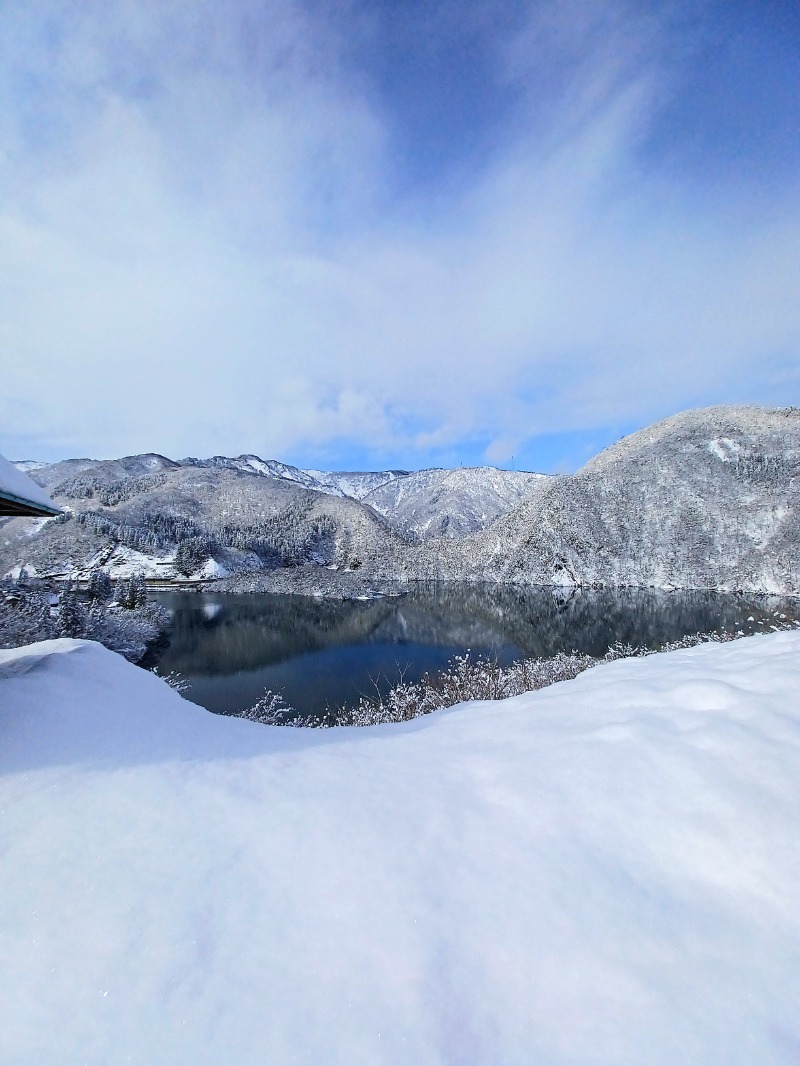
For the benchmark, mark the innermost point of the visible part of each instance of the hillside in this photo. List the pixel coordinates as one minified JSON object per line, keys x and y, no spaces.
{"x":225,"y":519}
{"x":450,"y":503}
{"x":354,"y":484}
{"x":239,"y":515}
{"x":705,"y":499}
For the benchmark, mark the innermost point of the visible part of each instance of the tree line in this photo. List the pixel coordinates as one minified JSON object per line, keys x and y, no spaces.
{"x":288,"y":538}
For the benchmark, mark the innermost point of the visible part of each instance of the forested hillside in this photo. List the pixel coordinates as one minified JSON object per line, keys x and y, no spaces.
{"x":705,"y":499}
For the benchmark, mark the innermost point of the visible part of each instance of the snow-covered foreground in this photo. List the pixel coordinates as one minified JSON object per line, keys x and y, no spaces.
{"x":607,"y":871}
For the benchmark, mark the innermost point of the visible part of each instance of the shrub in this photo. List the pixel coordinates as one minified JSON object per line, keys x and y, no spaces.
{"x":174,"y":679}
{"x":271,"y":709}
{"x":466,"y":678}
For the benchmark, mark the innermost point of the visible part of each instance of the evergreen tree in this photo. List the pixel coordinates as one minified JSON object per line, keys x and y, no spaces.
{"x":99,"y":586}
{"x":104,"y":587}
{"x":137,"y":591}
{"x":190,"y":555}
{"x":71,"y":616}
{"x":131,"y":592}
{"x":122,"y":593}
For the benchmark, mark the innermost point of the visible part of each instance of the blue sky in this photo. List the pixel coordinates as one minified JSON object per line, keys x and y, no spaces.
{"x":368,"y":234}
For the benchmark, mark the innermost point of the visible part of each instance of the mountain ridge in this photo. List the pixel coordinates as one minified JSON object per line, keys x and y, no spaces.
{"x":226,"y":515}
{"x":708,"y":498}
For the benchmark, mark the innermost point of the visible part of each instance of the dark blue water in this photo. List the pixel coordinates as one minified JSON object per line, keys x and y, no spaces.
{"x":322,"y":654}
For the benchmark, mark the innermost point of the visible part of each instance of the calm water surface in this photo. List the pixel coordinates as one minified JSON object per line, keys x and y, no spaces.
{"x":324,"y":653}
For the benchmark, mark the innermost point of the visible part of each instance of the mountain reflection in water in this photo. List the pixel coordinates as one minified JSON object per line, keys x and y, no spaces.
{"x":323,"y":653}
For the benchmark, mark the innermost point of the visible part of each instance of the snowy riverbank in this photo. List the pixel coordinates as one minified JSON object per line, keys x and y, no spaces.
{"x":604,"y":871}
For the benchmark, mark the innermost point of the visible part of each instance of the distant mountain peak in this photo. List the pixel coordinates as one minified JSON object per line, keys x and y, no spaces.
{"x":26,"y":465}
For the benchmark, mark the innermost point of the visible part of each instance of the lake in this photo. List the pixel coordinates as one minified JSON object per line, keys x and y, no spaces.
{"x":326,"y":653}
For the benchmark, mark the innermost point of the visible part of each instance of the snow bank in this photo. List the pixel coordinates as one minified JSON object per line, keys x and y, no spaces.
{"x":211,"y":569}
{"x":605,"y":871}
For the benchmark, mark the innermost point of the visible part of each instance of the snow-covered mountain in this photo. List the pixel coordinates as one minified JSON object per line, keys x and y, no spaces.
{"x":501,"y":488}
{"x":226,"y":519}
{"x":705,"y":499}
{"x":253,"y":464}
{"x":450,"y":503}
{"x":243,"y":513}
{"x":355,"y":483}
{"x":52,"y":475}
{"x":332,"y":483}
{"x":26,"y":465}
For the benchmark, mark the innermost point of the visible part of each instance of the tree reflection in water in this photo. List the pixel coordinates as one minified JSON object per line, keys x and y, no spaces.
{"x":322,"y":653}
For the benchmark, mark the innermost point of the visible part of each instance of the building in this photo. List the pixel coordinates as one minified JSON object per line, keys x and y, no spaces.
{"x":22,"y":497}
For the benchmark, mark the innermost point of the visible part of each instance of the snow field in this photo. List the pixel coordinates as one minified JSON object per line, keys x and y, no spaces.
{"x":605,"y":871}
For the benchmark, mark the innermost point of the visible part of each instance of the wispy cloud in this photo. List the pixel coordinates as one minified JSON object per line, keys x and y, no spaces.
{"x":206,"y":248}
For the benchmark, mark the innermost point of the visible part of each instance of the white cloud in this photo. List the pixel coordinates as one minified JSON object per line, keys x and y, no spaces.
{"x":200,"y":254}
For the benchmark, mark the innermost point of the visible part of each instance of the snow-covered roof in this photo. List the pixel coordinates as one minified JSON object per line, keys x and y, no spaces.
{"x":19,"y":495}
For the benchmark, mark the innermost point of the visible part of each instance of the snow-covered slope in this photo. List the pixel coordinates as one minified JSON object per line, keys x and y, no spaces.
{"x":501,"y":488}
{"x":52,"y":475}
{"x":149,"y":503}
{"x":26,"y":465}
{"x":355,"y":483}
{"x":705,"y":499}
{"x":253,"y":464}
{"x":241,"y":519}
{"x":605,"y":871}
{"x":450,"y":503}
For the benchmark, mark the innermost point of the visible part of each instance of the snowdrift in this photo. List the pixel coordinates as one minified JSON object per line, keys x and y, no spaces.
{"x":605,"y":871}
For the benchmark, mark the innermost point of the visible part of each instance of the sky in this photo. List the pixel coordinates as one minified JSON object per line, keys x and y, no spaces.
{"x":358,"y":234}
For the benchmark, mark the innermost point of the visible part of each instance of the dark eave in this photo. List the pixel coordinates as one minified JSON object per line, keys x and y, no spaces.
{"x":12,"y":506}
